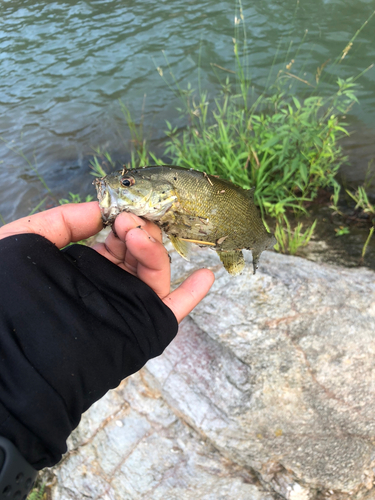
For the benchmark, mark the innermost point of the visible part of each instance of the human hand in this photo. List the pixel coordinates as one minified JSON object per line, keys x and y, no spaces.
{"x":138,"y":249}
{"x":78,"y":307}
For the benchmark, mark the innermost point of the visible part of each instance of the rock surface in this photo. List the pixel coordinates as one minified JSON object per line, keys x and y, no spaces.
{"x":267,"y":392}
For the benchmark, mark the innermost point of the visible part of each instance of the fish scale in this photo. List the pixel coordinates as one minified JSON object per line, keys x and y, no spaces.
{"x":191,"y":207}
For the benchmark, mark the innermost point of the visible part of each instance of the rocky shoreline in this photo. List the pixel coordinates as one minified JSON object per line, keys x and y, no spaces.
{"x":266,"y":393}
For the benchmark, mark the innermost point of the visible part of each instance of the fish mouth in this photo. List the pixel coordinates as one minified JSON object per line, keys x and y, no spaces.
{"x":107,"y":201}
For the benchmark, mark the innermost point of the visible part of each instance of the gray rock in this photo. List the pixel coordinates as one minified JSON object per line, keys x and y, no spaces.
{"x":267,"y":392}
{"x":131,"y":445}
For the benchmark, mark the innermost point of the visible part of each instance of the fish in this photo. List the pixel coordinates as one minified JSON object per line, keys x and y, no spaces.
{"x":191,"y":207}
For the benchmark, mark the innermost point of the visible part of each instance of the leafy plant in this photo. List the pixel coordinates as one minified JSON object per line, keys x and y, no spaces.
{"x":98,"y":169}
{"x":362,"y":201}
{"x":285,"y":147}
{"x":37,"y":493}
{"x":340,"y":231}
{"x":139,"y":150}
{"x":335,"y":199}
{"x":75,"y":198}
{"x":140,"y":155}
{"x":289,"y":240}
{"x":364,"y":249}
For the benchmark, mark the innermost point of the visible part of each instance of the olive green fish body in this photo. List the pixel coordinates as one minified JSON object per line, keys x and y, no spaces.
{"x":191,"y":207}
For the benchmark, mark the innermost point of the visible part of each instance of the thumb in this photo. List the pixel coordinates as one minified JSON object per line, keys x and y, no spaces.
{"x":183,"y":300}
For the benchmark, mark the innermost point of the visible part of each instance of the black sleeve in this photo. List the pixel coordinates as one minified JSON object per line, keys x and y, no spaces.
{"x":72,"y":326}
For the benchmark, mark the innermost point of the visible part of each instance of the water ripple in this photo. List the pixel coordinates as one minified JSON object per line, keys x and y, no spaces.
{"x":64,"y":66}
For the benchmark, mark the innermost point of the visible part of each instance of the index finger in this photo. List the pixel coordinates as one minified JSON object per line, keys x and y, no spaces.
{"x":60,"y":225}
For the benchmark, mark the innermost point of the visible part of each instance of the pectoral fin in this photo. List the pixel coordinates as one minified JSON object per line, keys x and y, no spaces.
{"x":234,"y":262}
{"x":181,"y":246}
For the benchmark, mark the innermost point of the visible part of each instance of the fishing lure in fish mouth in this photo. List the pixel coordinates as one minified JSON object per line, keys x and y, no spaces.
{"x":191,"y":207}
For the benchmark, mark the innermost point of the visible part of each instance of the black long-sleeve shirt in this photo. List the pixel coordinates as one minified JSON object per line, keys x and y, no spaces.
{"x":72,"y":326}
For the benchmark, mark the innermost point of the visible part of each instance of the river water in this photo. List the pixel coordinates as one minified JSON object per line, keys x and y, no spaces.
{"x":64,"y":65}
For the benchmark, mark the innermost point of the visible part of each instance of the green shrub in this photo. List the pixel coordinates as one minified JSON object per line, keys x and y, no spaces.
{"x":285,"y":147}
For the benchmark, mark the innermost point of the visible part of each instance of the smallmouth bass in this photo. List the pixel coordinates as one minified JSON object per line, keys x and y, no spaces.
{"x":191,"y":207}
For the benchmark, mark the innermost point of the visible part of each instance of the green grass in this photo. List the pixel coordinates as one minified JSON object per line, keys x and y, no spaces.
{"x":363,"y":205}
{"x":361,"y":199}
{"x":37,"y":493}
{"x":75,"y":198}
{"x":290,"y":241}
{"x":364,"y":249}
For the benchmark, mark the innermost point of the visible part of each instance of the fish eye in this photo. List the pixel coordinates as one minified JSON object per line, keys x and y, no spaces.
{"x":127,"y":181}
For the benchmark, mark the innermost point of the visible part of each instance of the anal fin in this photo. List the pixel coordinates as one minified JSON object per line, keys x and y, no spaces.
{"x":233,"y":262}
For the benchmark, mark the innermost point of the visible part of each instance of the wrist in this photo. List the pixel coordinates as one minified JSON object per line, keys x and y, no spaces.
{"x":17,"y":477}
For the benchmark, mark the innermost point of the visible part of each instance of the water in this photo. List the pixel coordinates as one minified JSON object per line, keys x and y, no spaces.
{"x":65,"y":65}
